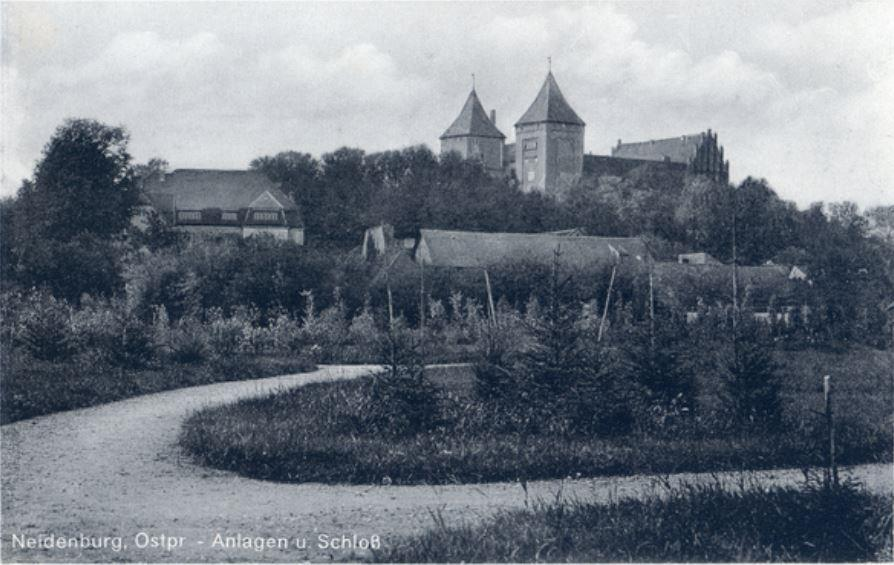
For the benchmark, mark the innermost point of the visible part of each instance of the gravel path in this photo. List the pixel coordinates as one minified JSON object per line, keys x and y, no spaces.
{"x":115,"y":470}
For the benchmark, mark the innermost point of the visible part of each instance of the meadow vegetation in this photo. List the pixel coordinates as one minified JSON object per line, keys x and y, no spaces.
{"x":684,"y":524}
{"x":547,"y":398}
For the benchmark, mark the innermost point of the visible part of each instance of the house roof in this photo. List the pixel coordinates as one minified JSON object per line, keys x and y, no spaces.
{"x":466,"y":249}
{"x":472,"y":121}
{"x":199,"y":189}
{"x":686,"y":284}
{"x":550,"y":106}
{"x":674,"y":149}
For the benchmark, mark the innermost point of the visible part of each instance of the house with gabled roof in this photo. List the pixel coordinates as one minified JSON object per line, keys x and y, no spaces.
{"x":223,"y":202}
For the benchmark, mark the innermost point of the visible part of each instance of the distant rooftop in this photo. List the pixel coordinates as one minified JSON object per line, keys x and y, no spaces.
{"x":550,"y":106}
{"x":199,"y":189}
{"x":469,"y":249}
{"x":680,"y":149}
{"x":473,"y":121}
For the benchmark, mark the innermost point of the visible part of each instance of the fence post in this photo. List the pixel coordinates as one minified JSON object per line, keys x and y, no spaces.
{"x":832,"y":472}
{"x":608,"y":296}
{"x":490,"y":299}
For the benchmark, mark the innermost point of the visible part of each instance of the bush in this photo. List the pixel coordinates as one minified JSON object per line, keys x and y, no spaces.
{"x":43,"y":326}
{"x":751,"y":383}
{"x":660,"y":365}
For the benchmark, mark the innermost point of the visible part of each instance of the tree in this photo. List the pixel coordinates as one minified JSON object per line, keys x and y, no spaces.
{"x":298,"y":174}
{"x":83,"y":184}
{"x":752,"y":386}
{"x":153,"y":167}
{"x":881,"y":223}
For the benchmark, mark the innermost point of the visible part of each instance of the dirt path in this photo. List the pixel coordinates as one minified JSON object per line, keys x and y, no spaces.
{"x":115,"y":470}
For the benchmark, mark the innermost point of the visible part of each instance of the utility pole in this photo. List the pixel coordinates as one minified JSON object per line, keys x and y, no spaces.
{"x":735,"y":277}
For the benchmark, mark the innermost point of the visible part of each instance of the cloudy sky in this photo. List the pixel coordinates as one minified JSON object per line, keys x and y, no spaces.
{"x":801,"y":93}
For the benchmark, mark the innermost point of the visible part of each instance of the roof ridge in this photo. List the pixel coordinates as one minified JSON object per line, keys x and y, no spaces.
{"x":677,"y":138}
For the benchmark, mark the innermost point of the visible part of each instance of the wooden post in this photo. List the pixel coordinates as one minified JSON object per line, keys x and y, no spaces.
{"x":735,"y":279}
{"x":832,"y":472}
{"x":651,"y":308}
{"x":422,"y":310}
{"x":608,"y":295}
{"x":490,"y":299}
{"x":390,"y":306}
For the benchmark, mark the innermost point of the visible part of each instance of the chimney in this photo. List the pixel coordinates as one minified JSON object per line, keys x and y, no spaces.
{"x":619,"y":142}
{"x":493,"y":117}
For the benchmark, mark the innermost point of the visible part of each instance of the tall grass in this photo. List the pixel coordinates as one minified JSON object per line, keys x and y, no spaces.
{"x":689,"y":523}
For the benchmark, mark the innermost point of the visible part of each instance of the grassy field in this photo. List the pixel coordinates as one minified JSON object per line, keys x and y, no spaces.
{"x":690,"y":524}
{"x":34,"y":388}
{"x":317,"y":433}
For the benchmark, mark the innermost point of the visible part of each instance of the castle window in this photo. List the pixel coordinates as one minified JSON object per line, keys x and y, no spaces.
{"x":530,"y":145}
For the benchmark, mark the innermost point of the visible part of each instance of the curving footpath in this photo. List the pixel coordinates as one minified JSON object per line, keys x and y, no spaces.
{"x":115,"y":470}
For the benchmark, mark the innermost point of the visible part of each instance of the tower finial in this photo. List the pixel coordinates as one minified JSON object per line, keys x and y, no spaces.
{"x":473,"y":81}
{"x":549,"y":63}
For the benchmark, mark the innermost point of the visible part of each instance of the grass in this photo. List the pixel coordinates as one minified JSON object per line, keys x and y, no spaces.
{"x":317,"y":433}
{"x":33,"y":388}
{"x":690,"y":523}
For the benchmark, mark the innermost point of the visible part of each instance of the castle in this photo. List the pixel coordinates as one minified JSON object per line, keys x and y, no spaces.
{"x":548,"y":153}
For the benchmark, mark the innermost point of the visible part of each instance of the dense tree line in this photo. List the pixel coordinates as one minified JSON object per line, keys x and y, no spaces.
{"x":68,"y":228}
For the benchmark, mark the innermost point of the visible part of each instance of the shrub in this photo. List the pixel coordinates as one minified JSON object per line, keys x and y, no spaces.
{"x":225,"y":335}
{"x":43,"y":327}
{"x":189,"y":343}
{"x":659,"y":363}
{"x":751,"y":383}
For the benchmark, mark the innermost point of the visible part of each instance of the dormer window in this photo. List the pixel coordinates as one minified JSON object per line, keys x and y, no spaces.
{"x":265,"y":216}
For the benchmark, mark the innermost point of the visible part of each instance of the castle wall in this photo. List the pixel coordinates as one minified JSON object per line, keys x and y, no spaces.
{"x":603,"y":165}
{"x":489,"y":150}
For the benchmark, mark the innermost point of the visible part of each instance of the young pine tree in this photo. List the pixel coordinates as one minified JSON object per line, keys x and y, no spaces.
{"x":751,"y":385}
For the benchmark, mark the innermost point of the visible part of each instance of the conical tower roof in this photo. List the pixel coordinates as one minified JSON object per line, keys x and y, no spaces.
{"x":473,"y":121}
{"x":550,"y":106}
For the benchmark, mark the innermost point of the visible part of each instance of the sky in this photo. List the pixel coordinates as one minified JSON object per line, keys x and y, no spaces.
{"x":800,"y":93}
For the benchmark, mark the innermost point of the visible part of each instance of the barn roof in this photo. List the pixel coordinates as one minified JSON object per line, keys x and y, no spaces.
{"x":472,"y":121}
{"x":550,"y":106}
{"x":685,"y":285}
{"x":467,"y":249}
{"x":674,"y":149}
{"x":199,"y":189}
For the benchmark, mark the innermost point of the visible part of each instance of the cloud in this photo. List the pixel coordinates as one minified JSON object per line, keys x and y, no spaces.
{"x":849,"y":49}
{"x":803,"y":101}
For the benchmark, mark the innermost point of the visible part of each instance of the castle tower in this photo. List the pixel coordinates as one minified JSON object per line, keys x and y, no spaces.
{"x":475,"y":136}
{"x":549,"y":143}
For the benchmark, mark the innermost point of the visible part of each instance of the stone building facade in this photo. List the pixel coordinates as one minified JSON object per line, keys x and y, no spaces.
{"x":548,"y":154}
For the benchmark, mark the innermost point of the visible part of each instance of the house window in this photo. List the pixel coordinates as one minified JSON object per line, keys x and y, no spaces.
{"x":229,"y":216}
{"x":530,"y":144}
{"x":189,"y":215}
{"x":265,"y":216}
